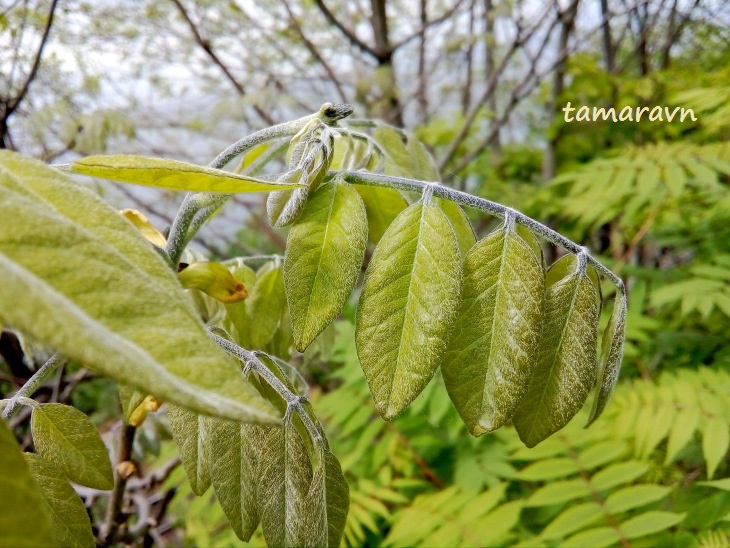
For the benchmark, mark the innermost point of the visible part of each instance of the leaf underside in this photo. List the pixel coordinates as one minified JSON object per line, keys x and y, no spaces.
{"x":300,"y":506}
{"x":408,"y":305}
{"x":612,"y":350}
{"x":489,"y":361}
{"x":565,"y":366}
{"x":233,"y":460}
{"x":190,"y":431}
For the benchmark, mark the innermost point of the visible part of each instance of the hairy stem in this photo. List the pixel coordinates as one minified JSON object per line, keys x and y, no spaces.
{"x":293,"y":401}
{"x":45,"y":371}
{"x":493,"y":208}
{"x":181,"y":231}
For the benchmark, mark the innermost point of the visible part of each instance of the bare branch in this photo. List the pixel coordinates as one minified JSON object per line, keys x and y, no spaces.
{"x":491,"y":88}
{"x":206,"y":46}
{"x":315,"y":52}
{"x":349,"y":34}
{"x":426,"y":24}
{"x":13,"y":103}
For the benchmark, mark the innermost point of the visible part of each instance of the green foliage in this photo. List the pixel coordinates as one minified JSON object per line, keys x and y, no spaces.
{"x":65,"y":437}
{"x":638,"y":181}
{"x":20,"y":526}
{"x":620,"y":478}
{"x":324,"y":255}
{"x":408,"y":305}
{"x":704,"y":290}
{"x":566,"y":361}
{"x":173,"y":174}
{"x":236,"y":451}
{"x":87,"y":292}
{"x":70,"y":522}
{"x":430,"y":292}
{"x":488,"y":363}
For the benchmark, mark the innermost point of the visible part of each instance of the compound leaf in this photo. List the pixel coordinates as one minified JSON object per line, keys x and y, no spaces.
{"x":324,"y":253}
{"x":173,"y":174}
{"x":69,"y":520}
{"x":25,"y":520}
{"x":67,"y":438}
{"x":81,"y":279}
{"x":408,"y":305}
{"x":488,"y":362}
{"x":565,"y":367}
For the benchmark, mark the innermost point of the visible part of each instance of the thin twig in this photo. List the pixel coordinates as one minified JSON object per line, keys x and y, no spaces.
{"x":350,"y":35}
{"x":114,"y":516}
{"x":208,"y":49}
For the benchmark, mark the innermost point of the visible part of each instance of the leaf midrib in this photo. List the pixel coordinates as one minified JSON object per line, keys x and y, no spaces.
{"x":330,"y":208}
{"x":497,"y":297}
{"x":421,"y":223}
{"x":577,"y":275}
{"x":67,"y":442}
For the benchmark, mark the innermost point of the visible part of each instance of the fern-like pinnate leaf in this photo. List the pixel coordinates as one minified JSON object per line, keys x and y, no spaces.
{"x":324,"y":253}
{"x":566,"y":363}
{"x":408,"y":305}
{"x":490,"y":357}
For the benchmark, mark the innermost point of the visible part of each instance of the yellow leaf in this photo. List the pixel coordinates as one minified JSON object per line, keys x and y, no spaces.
{"x":142,"y":223}
{"x":215,"y":280}
{"x":164,"y":173}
